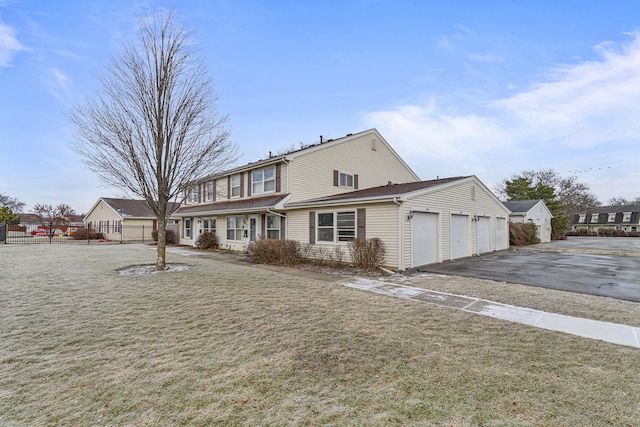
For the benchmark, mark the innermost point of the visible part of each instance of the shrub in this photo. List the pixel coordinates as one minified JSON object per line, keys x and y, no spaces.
{"x":273,"y":251}
{"x":84,"y":234}
{"x":170,"y":237}
{"x":207,"y":240}
{"x":367,"y":254}
{"x":522,"y":234}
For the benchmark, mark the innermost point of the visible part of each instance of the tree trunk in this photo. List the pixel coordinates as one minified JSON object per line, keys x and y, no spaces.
{"x":161,"y":263}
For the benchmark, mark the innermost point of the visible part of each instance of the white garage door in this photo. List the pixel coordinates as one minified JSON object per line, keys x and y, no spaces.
{"x":484,"y":234}
{"x":501,"y":241}
{"x":424,"y":238}
{"x":458,"y":236}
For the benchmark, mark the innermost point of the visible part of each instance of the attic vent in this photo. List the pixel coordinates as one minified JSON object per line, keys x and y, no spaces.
{"x":473,"y":192}
{"x":349,"y":134}
{"x":373,"y":144}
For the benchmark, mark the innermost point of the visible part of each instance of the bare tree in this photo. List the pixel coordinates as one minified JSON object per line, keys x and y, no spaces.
{"x":153,"y":127}
{"x":52,"y":217}
{"x":12,"y":203}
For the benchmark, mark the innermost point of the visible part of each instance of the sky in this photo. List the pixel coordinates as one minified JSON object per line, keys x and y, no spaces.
{"x":489,"y":88}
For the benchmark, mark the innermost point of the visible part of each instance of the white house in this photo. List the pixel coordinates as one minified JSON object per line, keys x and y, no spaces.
{"x":534,"y":211}
{"x":329,"y":193}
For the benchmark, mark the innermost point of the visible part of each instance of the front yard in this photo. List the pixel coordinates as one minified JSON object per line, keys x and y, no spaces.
{"x":228,"y":344}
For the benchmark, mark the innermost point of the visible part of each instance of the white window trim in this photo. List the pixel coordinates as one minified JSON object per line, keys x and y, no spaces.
{"x":611,"y":217}
{"x":346,"y":179}
{"x":188,"y":228}
{"x":336,"y":237}
{"x":232,"y":186}
{"x":262,"y":181}
{"x":209,"y":191}
{"x":210,"y":220}
{"x":239,"y":220}
{"x":267,"y":229}
{"x":582,"y":218}
{"x":595,"y":217}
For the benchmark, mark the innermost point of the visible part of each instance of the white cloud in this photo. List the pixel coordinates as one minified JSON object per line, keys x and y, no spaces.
{"x":9,"y":45}
{"x":589,"y":108}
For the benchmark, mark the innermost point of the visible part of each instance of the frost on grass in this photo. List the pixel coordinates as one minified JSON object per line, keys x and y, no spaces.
{"x":151,"y":269}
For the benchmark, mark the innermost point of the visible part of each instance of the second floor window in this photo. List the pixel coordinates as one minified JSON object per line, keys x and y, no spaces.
{"x":582,"y":217}
{"x":192,"y":196}
{"x":346,"y":180}
{"x":235,"y":185}
{"x":209,"y":188}
{"x":594,"y":217}
{"x":627,"y":217}
{"x":612,"y":217}
{"x":263,"y":180}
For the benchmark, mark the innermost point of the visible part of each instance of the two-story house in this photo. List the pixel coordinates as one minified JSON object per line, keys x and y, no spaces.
{"x":608,"y":219}
{"x":329,"y":193}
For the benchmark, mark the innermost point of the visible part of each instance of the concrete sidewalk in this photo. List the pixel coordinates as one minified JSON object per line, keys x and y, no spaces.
{"x":587,"y":328}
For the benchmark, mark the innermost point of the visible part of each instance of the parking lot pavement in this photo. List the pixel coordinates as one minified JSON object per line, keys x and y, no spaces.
{"x":563,"y":267}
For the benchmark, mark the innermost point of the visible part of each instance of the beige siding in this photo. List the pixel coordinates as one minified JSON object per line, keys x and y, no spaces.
{"x":132,"y":228}
{"x":312,"y":172}
{"x":381,"y":222}
{"x":466,"y":198}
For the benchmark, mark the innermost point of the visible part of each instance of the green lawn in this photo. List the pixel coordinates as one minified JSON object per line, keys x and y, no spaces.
{"x":227,"y":344}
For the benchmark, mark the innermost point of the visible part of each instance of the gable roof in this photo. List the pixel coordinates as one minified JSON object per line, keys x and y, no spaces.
{"x":385,"y":192}
{"x":234,"y":205}
{"x":521,"y":206}
{"x":131,"y":208}
{"x":308,"y":149}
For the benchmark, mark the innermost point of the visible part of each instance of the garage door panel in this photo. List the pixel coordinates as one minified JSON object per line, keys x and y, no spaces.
{"x":484,"y":234}
{"x":424,"y":238}
{"x":459,"y":238}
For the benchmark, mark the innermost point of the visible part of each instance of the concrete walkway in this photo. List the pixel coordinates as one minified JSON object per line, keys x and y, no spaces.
{"x":587,"y":328}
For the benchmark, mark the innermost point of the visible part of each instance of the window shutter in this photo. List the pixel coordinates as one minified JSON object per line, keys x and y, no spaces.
{"x":282,"y":228}
{"x":249,"y":186}
{"x":229,"y":187}
{"x":215,"y":190}
{"x":263,"y":227}
{"x":362,"y":224}
{"x":242,"y":185}
{"x":278,"y":178}
{"x":355,"y":181}
{"x":335,"y":178}
{"x":312,"y":227}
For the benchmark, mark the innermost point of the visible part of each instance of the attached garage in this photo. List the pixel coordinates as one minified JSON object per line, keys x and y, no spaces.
{"x":424,"y":238}
{"x":420,"y":223}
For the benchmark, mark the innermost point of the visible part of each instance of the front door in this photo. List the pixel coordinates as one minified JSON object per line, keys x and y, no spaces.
{"x":253,"y":228}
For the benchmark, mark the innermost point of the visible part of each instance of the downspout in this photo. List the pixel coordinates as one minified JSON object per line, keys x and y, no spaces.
{"x":400,"y":236}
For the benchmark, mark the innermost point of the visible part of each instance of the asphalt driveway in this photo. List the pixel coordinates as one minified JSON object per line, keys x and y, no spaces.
{"x":599,"y":266}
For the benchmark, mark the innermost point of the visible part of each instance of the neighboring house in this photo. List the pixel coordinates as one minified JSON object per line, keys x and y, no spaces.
{"x":123,"y":219}
{"x":534,"y":211}
{"x":327,"y":194}
{"x":609,"y":218}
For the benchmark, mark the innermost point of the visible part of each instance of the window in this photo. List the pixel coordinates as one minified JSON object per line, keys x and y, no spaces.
{"x":612,"y":217}
{"x":626,"y":217}
{"x":345,"y":180}
{"x":209,"y":188}
{"x":273,"y":227}
{"x":235,"y":185}
{"x":263,"y":180}
{"x":192,"y":195}
{"x":235,"y":230}
{"x":594,"y":217}
{"x":187,"y":228}
{"x":117,"y":226}
{"x":582,"y":218}
{"x":336,"y":226}
{"x":209,"y":224}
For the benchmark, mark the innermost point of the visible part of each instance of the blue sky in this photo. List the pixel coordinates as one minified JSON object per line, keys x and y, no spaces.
{"x":488,"y":88}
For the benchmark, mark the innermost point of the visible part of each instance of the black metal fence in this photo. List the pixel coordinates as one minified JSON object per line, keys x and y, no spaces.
{"x":37,"y":233}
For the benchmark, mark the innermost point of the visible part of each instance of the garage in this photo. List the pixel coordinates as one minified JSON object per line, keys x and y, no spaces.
{"x":483,"y":231}
{"x":459,"y":242}
{"x":424,"y":238}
